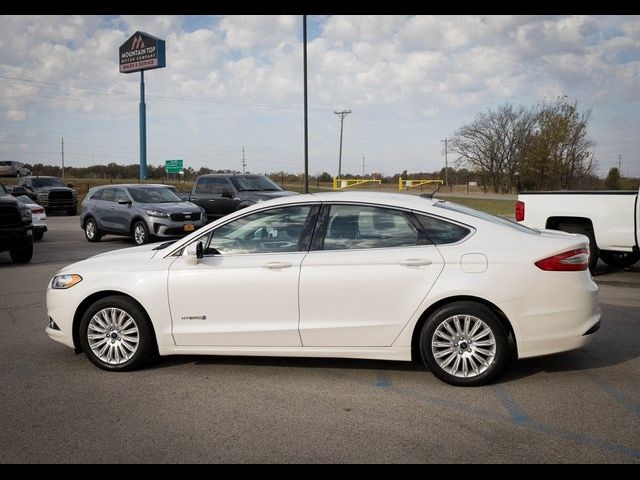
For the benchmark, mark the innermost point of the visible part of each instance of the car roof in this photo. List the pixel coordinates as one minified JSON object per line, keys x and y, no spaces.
{"x":129,"y":185}
{"x":403,"y":200}
{"x":212,"y":175}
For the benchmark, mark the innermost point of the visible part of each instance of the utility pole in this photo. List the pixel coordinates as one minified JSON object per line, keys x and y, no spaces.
{"x":446,"y":161}
{"x":62,"y":153}
{"x":306,"y":119}
{"x":342,"y":113}
{"x":244,"y":164}
{"x":363,"y":165}
{"x":620,"y":164}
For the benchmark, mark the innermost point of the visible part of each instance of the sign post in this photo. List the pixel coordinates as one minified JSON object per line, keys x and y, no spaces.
{"x":139,"y":53}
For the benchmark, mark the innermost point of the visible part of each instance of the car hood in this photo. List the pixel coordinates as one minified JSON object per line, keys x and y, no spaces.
{"x":266,"y":195}
{"x":178,"y":207}
{"x":114,"y":259}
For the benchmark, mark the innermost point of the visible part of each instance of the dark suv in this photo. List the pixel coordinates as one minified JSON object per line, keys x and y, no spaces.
{"x":51,"y":193}
{"x":221,"y":194}
{"x":16,"y":230}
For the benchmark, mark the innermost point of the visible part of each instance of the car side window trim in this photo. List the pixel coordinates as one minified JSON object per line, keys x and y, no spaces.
{"x":472,"y":230}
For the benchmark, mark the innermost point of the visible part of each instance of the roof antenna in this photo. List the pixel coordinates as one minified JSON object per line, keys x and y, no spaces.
{"x":430,"y":195}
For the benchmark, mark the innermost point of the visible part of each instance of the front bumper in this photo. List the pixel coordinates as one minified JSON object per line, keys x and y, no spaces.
{"x":57,"y":204}
{"x":167,"y":228}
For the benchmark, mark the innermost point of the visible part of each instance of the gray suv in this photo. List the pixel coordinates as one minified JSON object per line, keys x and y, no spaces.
{"x":143,"y":212}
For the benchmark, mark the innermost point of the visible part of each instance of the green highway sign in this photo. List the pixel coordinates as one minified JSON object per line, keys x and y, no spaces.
{"x":173,"y":166}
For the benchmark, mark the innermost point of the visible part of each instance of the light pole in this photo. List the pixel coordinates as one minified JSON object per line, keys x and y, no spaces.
{"x":306,"y":121}
{"x":342,"y":113}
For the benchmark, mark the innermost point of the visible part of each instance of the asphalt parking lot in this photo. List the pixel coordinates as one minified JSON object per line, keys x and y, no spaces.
{"x":581,"y":406}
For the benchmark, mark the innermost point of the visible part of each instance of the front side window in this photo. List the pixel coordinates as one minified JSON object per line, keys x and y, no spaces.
{"x":212,"y":185}
{"x":273,"y":231}
{"x":355,"y":226}
{"x":108,"y":195}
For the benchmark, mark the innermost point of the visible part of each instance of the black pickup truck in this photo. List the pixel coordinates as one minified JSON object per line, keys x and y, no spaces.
{"x":16,"y":230}
{"x":221,"y":194}
{"x":51,"y":193}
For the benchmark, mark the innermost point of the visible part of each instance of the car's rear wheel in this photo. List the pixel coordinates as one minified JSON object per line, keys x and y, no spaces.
{"x":22,"y":255}
{"x":464,"y":344}
{"x":115,"y":334}
{"x":91,"y":231}
{"x":141,"y":233}
{"x":619,"y":259}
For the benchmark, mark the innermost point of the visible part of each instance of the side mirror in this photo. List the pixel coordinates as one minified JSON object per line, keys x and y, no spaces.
{"x":226,"y":193}
{"x":195,"y":252}
{"x":124,"y":202}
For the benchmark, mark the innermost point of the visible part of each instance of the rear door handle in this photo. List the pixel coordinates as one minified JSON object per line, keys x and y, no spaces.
{"x":415,"y":262}
{"x":277,"y":265}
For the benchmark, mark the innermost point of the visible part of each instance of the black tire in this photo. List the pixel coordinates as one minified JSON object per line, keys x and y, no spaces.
{"x":38,"y":235}
{"x":490,"y":319}
{"x":92,"y":233}
{"x":144,"y":236}
{"x":619,"y":260}
{"x":22,"y":255}
{"x":72,"y":211}
{"x":594,"y":252}
{"x":146,"y":340}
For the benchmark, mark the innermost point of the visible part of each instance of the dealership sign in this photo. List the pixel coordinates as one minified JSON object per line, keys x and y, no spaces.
{"x":142,"y":52}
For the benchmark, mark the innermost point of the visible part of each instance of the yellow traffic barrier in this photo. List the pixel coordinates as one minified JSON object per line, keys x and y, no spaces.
{"x":342,"y":183}
{"x":407,"y":184}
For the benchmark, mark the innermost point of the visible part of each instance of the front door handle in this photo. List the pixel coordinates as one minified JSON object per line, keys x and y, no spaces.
{"x":415,"y":262}
{"x":277,"y":265}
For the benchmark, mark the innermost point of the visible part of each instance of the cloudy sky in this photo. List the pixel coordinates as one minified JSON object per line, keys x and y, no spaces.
{"x":237,"y":81}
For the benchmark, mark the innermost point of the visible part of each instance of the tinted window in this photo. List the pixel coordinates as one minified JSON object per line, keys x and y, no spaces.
{"x":440,"y":231}
{"x":153,"y":195}
{"x":277,"y":230}
{"x":2,"y":190}
{"x":109,"y":195}
{"x":47,"y":182}
{"x":97,"y":195}
{"x":353,"y":226}
{"x":248,"y":184}
{"x":5,"y":164}
{"x":485,"y":216}
{"x":121,"y":196}
{"x":212,"y":185}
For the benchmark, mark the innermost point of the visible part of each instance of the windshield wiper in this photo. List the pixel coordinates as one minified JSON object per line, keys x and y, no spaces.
{"x":164,"y":245}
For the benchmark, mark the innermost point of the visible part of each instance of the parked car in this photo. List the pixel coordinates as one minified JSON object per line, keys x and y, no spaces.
{"x":221,"y":194}
{"x":144,"y":212}
{"x":38,"y":215}
{"x":16,"y":230}
{"x":341,"y":274}
{"x":51,"y":193}
{"x":611,"y":220}
{"x":13,"y":169}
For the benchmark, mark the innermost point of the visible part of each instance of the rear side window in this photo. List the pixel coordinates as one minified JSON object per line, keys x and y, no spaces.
{"x":96,"y":195}
{"x":486,"y":216}
{"x":212,"y":185}
{"x":442,"y":232}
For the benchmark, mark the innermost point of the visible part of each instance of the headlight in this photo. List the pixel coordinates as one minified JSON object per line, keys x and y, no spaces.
{"x":65,"y":281}
{"x":156,"y":213}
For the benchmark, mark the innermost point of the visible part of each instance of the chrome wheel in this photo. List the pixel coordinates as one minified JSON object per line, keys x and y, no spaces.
{"x":90,"y":230}
{"x":113,"y":336}
{"x":139,"y":234}
{"x":463,"y":346}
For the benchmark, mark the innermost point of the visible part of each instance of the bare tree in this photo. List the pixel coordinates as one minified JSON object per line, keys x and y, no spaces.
{"x":495,"y":143}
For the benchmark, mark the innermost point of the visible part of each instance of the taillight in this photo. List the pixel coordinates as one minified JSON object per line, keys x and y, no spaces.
{"x":571,"y":261}
{"x":37,"y":210}
{"x":519,"y":211}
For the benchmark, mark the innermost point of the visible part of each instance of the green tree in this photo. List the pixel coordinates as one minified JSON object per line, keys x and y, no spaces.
{"x":612,"y":181}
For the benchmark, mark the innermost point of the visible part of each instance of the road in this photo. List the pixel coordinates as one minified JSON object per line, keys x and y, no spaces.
{"x":582,"y":406}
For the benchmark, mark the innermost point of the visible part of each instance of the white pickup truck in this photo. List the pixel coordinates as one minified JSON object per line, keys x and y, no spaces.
{"x":611,"y":220}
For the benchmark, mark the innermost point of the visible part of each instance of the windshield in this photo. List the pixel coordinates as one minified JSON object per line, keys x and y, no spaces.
{"x":47,"y":182}
{"x":24,"y":199}
{"x":2,"y":190}
{"x":249,"y":184}
{"x":485,"y":216}
{"x":153,"y":195}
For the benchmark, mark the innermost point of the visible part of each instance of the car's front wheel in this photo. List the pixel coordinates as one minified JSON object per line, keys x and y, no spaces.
{"x":115,"y":334}
{"x":91,"y":231}
{"x":22,"y":255}
{"x":464,"y":344}
{"x":141,"y":233}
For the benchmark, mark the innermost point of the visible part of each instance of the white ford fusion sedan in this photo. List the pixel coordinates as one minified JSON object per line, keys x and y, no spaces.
{"x":346,"y":274}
